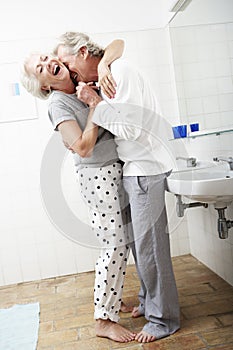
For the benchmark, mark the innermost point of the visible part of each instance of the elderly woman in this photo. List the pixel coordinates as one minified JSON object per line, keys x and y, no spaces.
{"x":99,"y":172}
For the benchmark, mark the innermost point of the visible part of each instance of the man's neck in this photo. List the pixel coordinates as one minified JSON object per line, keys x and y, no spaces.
{"x":93,"y":72}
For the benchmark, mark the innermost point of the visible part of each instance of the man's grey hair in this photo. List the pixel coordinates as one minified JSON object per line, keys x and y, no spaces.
{"x":73,"y":41}
{"x":30,"y":81}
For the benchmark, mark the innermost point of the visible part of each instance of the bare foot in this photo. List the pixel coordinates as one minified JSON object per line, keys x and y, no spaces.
{"x":113,"y":331}
{"x":126,"y":308}
{"x":144,"y":337}
{"x":136,"y":313}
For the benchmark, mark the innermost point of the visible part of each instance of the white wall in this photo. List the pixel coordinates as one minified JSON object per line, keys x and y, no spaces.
{"x":202,"y":44}
{"x":203,"y":67}
{"x":27,"y":19}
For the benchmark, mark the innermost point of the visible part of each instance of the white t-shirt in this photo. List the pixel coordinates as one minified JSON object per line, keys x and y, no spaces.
{"x":134,"y":117}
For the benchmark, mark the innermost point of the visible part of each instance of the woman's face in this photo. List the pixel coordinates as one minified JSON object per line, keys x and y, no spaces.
{"x":50,"y":72}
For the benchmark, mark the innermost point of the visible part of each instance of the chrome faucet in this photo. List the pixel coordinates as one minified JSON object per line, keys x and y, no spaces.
{"x":229,"y":160}
{"x":191,"y":161}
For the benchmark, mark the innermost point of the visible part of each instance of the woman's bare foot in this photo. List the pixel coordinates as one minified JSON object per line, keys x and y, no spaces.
{"x":136,"y":313}
{"x":113,"y":331}
{"x":144,"y":337}
{"x":126,"y":308}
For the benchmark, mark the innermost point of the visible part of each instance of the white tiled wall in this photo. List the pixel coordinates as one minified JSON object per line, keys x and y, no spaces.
{"x":203,"y":67}
{"x":205,"y":244}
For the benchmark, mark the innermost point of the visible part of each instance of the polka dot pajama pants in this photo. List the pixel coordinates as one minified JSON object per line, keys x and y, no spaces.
{"x":102,"y":191}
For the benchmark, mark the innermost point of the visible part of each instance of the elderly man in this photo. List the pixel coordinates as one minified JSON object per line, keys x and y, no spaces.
{"x":133,"y":116}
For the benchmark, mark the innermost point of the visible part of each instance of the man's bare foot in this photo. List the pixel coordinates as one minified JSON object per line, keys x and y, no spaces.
{"x":144,"y":337}
{"x":126,"y":308}
{"x":113,"y":331}
{"x":136,"y":313}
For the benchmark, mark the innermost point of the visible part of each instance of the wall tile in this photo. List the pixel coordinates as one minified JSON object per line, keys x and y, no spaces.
{"x":219,"y":32}
{"x":226,"y":102}
{"x":192,"y":71}
{"x":230,"y":45}
{"x":210,"y":104}
{"x":2,"y":281}
{"x":11,"y":267}
{"x":29,"y":262}
{"x":221,"y":50}
{"x":213,"y":120}
{"x":226,"y":144}
{"x":205,"y":52}
{"x":225,"y":85}
{"x":208,"y":86}
{"x":85,"y":258}
{"x":47,"y":260}
{"x":229,"y":30}
{"x":204,"y":33}
{"x":185,"y":37}
{"x":207,"y":69}
{"x":222,"y":67}
{"x":175,"y":249}
{"x":194,"y":106}
{"x":188,"y":53}
{"x":192,"y":88}
{"x":65,"y":253}
{"x":228,"y":276}
{"x":164,"y":73}
{"x":184,"y":246}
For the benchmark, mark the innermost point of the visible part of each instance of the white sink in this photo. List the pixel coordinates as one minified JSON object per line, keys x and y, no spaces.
{"x":208,"y":185}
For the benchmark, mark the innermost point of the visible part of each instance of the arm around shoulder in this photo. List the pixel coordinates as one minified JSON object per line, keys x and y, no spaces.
{"x":106,"y":81}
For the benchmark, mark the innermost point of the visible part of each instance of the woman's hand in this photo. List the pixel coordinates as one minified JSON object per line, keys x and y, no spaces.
{"x":106,"y":81}
{"x":112,"y":52}
{"x":87,"y":94}
{"x":68,"y":146}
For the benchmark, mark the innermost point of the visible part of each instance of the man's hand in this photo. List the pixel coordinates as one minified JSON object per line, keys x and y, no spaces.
{"x":87,"y":94}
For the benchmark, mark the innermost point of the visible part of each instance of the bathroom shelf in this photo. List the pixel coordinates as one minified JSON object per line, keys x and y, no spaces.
{"x":209,"y":132}
{"x":195,"y":134}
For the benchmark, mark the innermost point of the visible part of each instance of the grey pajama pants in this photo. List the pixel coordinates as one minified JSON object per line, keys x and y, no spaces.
{"x":102,"y":190}
{"x":151,"y":249}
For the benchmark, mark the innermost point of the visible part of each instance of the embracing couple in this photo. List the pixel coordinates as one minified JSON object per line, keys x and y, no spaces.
{"x":118,"y":137}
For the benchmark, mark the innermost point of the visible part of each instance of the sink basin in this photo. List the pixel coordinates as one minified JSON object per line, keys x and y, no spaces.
{"x":207,"y":185}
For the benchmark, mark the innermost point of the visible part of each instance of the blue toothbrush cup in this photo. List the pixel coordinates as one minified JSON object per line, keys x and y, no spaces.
{"x":179,"y":131}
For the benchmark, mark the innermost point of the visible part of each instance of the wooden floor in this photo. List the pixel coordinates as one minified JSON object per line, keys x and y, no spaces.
{"x":66,"y":317}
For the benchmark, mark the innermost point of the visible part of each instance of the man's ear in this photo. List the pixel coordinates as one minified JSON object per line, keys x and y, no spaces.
{"x":83,"y":51}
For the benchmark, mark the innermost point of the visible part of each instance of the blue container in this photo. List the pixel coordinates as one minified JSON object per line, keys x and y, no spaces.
{"x":179,"y":131}
{"x":194,"y":127}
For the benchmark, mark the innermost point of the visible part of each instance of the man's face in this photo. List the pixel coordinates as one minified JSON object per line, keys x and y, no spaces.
{"x":50,"y":72}
{"x":80,"y":64}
